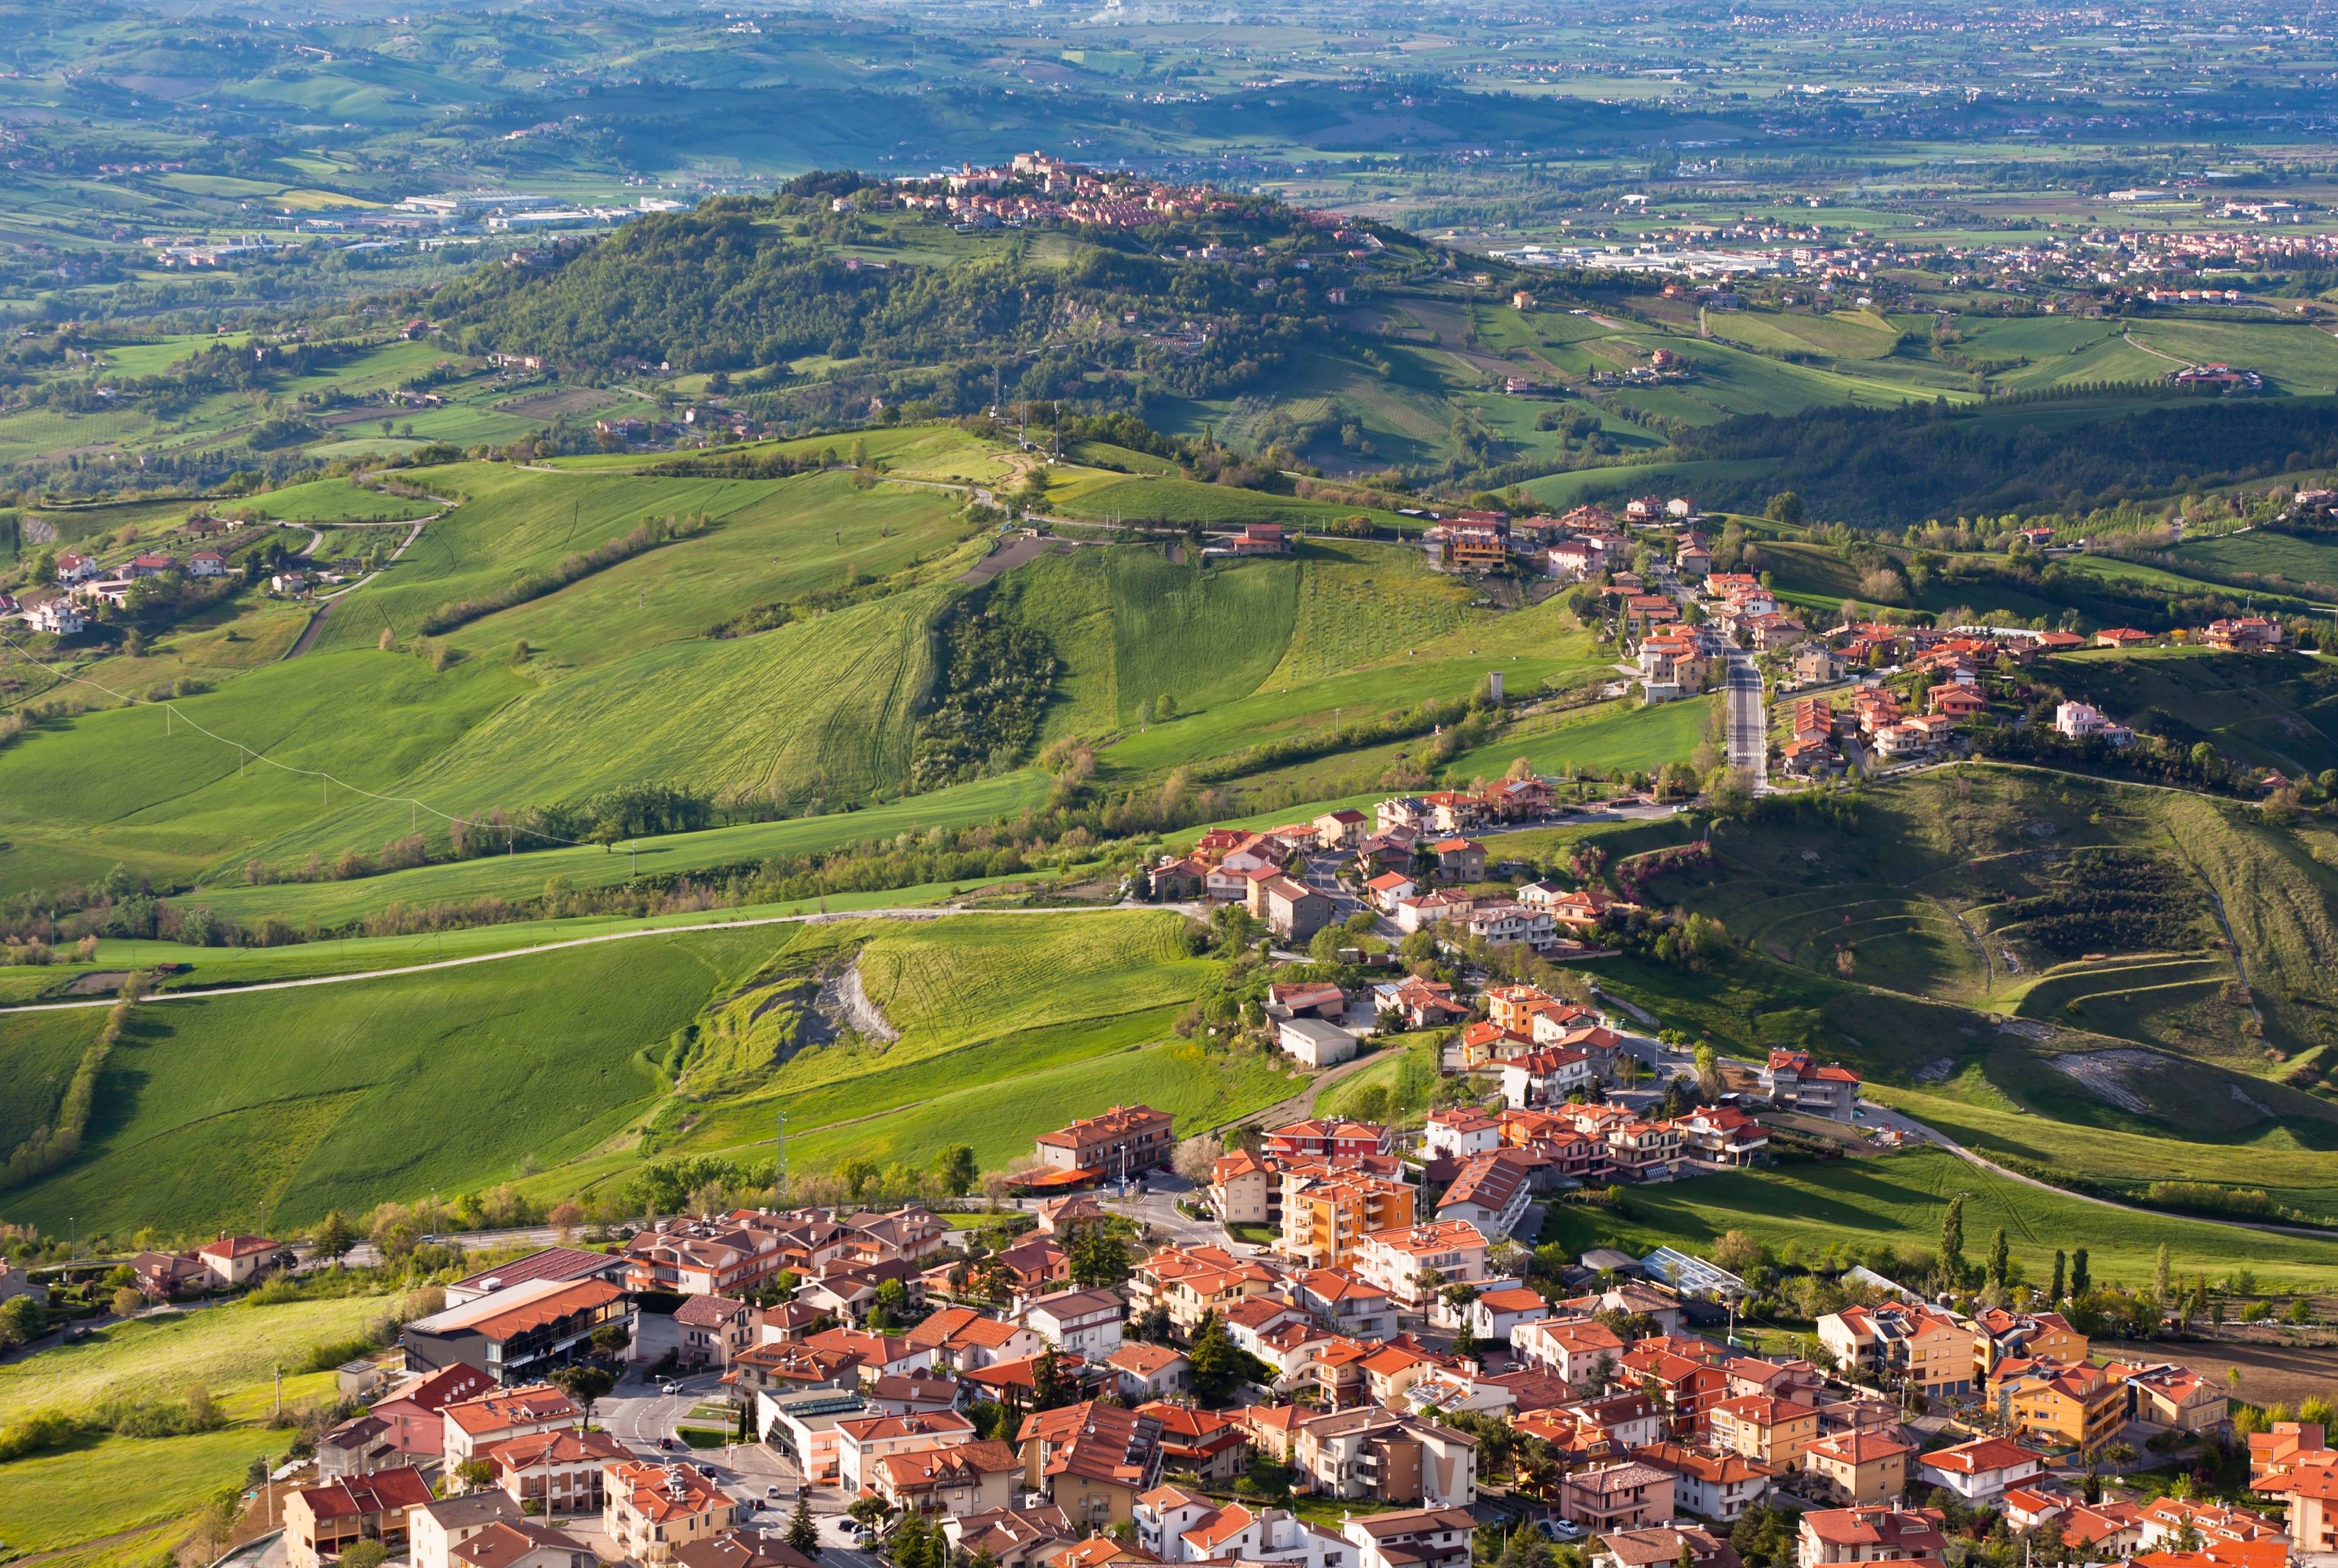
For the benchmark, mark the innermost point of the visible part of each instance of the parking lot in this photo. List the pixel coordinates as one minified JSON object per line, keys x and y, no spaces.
{"x":639,"y":1414}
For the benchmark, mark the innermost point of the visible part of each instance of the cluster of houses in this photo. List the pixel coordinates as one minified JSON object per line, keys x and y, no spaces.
{"x":82,"y":581}
{"x":1870,"y":723}
{"x":1027,"y":1416}
{"x":1411,"y":845}
{"x":1585,"y":542}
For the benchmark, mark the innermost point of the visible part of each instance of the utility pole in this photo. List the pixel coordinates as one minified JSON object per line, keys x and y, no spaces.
{"x":780,"y":1157}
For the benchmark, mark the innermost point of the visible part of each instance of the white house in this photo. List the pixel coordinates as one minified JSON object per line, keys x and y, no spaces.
{"x":1491,"y":1193}
{"x":1979,"y":1471}
{"x":1087,"y":1323}
{"x":57,"y":617}
{"x":1463,"y":1131}
{"x":1544,"y":1077}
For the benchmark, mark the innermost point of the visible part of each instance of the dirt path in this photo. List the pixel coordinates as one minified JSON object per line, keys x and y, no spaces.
{"x":308,"y":638}
{"x":935,"y":913}
{"x":1885,"y":1116}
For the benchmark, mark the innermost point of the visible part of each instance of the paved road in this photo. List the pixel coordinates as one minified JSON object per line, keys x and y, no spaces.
{"x":1749,"y":740}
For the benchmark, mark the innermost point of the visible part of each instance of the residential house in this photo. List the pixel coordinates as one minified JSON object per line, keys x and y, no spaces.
{"x":1910,"y":1340}
{"x":1334,"y":1140}
{"x":1795,"y":1082}
{"x":1190,"y":1283}
{"x":794,"y":1367}
{"x":1582,"y":1350}
{"x":320,"y":1523}
{"x":236,"y":1261}
{"x":2312,"y":1520}
{"x":1148,"y":1372}
{"x":1631,"y":1495}
{"x":1717,"y":1486}
{"x":358,"y":1447}
{"x":557,"y":1472}
{"x":1245,"y":1189}
{"x":1877,"y":1534}
{"x":2082,"y":721}
{"x":414,"y":1410}
{"x":1980,"y":1472}
{"x":1414,"y":1262}
{"x":1414,"y":1538}
{"x":2003,"y":1333}
{"x":1761,"y":1426}
{"x":963,"y":1339}
{"x":735,"y":1549}
{"x":1491,"y":1192}
{"x":1198,"y":1441}
{"x":714,"y":1329}
{"x":1014,"y":1537}
{"x":525,"y":1543}
{"x":650,"y":1510}
{"x":1663,"y":1546}
{"x":1344,"y":1302}
{"x":1092,"y":1461}
{"x":976,"y":1477}
{"x":1495,"y":1313}
{"x":1722,"y":1135}
{"x":1378,"y":1452}
{"x":1461,"y":1132}
{"x":862,"y":1440}
{"x":2228,"y":1535}
{"x":1459,"y":859}
{"x":1342,"y":830}
{"x":446,"y":1523}
{"x":1858,"y":1468}
{"x":880,"y":1355}
{"x":2176,"y":1397}
{"x":1545,"y":1077}
{"x":1085,"y":1322}
{"x":2249,"y":634}
{"x":470,"y":1427}
{"x":2083,"y":1406}
{"x":1421,"y":1004}
{"x":1123,"y":1140}
{"x":1291,"y":910}
{"x":1329,"y":1215}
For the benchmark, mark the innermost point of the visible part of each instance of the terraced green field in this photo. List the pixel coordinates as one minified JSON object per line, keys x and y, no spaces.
{"x":1843,"y":334}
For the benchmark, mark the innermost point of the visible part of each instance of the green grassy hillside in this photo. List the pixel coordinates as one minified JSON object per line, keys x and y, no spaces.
{"x":1898,"y":1202}
{"x":569,"y":1067}
{"x":132,"y":785}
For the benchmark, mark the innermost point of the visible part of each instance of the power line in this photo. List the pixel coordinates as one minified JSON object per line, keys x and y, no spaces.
{"x":246,"y":754}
